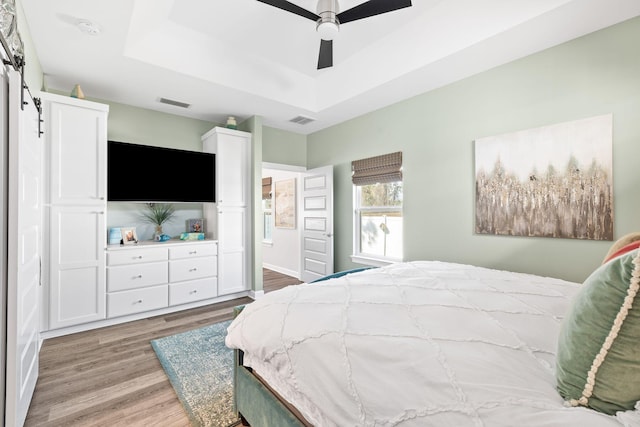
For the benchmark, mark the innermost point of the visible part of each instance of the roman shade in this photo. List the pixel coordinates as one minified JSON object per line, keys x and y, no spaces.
{"x":378,"y":169}
{"x":266,"y":188}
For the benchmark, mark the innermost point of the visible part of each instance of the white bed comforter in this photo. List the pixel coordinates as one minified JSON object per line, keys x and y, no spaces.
{"x":416,"y":344}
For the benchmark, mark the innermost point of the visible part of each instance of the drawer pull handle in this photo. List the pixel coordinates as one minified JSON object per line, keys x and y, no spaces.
{"x":138,"y":302}
{"x":193,"y":269}
{"x":195,"y":291}
{"x":139,"y":276}
{"x":137,"y":257}
{"x":193,"y":252}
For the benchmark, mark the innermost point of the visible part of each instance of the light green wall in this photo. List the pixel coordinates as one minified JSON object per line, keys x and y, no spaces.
{"x":279,"y":146}
{"x":148,"y":127}
{"x":33,"y":76}
{"x":254,"y":125}
{"x":593,"y":75}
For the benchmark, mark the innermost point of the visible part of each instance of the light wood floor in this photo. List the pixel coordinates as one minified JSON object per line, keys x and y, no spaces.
{"x":111,"y":376}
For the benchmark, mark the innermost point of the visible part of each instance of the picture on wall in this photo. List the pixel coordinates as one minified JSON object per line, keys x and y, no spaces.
{"x":285,"y":203}
{"x":552,"y":181}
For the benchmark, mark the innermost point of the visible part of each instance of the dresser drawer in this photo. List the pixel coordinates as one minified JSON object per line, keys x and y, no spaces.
{"x":192,"y":251}
{"x":136,"y":256}
{"x":125,"y":277}
{"x":193,"y":290}
{"x":137,"y":300}
{"x":189,"y":269}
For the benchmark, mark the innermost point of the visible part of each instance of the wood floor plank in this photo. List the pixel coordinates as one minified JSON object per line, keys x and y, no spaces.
{"x":112,"y":377}
{"x":106,"y":393}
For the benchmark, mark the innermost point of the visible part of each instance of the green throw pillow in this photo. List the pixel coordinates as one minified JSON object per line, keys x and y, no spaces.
{"x":598,"y":363}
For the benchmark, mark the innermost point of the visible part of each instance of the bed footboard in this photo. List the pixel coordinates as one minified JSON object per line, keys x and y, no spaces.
{"x":256,"y":403}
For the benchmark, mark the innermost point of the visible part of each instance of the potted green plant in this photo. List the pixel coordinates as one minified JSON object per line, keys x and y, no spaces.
{"x":158,"y":214}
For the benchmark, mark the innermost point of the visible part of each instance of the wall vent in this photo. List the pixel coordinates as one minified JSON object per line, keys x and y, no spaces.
{"x":174,"y":103}
{"x":302,"y":120}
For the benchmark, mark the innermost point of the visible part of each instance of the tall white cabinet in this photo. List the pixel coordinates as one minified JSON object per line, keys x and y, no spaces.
{"x":75,"y":211}
{"x":231,"y":211}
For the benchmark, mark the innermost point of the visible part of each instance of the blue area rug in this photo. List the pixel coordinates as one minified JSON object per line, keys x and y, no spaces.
{"x":200,"y":368}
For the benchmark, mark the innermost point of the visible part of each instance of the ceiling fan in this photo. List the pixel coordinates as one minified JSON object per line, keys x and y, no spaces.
{"x":329,"y":18}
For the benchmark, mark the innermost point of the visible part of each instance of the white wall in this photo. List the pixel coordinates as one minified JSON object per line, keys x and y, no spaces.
{"x":283,"y":254}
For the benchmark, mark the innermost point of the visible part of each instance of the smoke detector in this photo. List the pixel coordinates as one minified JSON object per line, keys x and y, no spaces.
{"x":88,"y":27}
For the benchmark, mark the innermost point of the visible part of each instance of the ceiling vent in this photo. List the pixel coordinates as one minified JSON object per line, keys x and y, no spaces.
{"x":174,"y":103}
{"x":302,"y":120}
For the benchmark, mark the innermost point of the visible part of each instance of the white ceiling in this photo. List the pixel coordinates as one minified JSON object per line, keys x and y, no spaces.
{"x":245,"y":58}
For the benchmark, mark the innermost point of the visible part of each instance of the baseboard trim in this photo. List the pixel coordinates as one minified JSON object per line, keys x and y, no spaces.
{"x":53,"y":333}
{"x":282,"y":270}
{"x":256,"y":294}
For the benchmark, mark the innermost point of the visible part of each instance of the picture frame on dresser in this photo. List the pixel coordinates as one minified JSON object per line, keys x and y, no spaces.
{"x":129,"y":236}
{"x":195,"y":225}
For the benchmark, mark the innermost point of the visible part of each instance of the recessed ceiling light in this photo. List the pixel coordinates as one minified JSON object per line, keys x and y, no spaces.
{"x":88,"y":27}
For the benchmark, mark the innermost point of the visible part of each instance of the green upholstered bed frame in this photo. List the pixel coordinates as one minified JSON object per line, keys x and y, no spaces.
{"x":254,"y":402}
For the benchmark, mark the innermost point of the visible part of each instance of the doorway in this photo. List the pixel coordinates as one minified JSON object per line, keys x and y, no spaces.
{"x":299,"y":247}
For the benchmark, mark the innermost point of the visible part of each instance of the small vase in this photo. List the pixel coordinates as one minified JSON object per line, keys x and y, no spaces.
{"x":231,"y":123}
{"x":77,"y":92}
{"x":158,"y":233}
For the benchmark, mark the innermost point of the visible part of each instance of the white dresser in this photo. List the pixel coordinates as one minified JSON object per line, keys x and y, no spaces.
{"x":151,"y":275}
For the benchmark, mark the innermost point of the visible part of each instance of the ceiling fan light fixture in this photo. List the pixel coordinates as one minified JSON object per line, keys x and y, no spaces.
{"x":328,"y":29}
{"x":328,"y":26}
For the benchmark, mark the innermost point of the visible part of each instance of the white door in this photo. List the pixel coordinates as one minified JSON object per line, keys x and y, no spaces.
{"x":4,"y":150}
{"x":24,"y":253}
{"x":317,"y":223}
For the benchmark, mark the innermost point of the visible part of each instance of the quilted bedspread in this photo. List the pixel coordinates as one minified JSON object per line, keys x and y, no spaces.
{"x":416,"y":344}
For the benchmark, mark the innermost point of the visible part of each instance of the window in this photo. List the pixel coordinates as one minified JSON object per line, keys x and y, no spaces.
{"x":267,"y":211}
{"x":378,"y":225}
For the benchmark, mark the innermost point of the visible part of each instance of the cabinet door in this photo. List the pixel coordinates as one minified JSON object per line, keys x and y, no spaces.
{"x":231,"y":171}
{"x":232,"y":164}
{"x":78,"y":139}
{"x":232,"y":250}
{"x":77,"y":265}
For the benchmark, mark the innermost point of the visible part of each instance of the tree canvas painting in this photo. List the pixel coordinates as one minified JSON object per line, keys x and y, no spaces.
{"x":552,"y":181}
{"x":285,"y":205}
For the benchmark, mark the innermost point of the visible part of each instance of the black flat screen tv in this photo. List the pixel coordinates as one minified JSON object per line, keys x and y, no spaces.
{"x":144,"y":173}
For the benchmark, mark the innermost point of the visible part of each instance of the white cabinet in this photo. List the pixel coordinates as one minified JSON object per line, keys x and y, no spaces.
{"x":157,"y":275}
{"x":76,"y":254}
{"x":77,"y":137}
{"x":232,"y":148}
{"x":232,"y":235}
{"x":75,"y":210}
{"x":231,"y":213}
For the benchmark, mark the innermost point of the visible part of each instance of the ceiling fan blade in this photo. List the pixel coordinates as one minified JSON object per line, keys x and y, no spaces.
{"x":293,"y":8}
{"x":371,"y":8}
{"x":325,"y":59}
